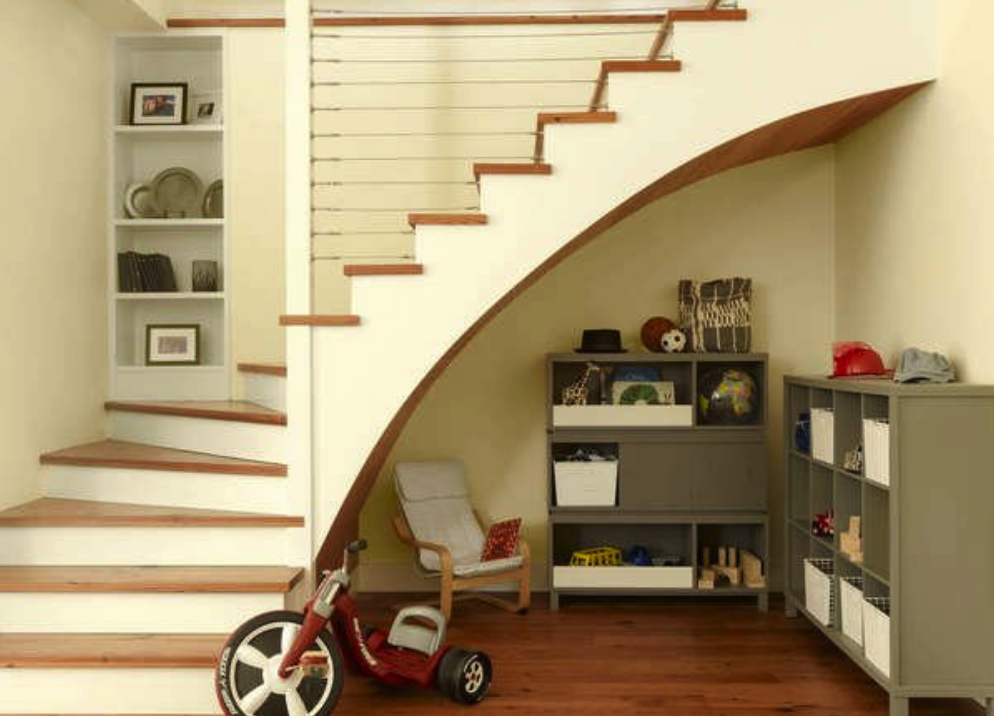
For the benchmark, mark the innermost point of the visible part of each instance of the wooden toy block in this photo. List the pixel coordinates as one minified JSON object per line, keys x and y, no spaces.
{"x":752,"y":570}
{"x":733,"y":557}
{"x":722,"y":557}
{"x":706,"y":557}
{"x":706,"y":579}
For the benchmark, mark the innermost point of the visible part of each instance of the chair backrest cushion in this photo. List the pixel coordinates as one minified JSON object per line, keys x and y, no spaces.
{"x":435,"y":501}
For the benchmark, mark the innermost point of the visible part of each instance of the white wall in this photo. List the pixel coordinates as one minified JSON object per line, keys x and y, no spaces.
{"x":254,"y":123}
{"x":772,"y":221}
{"x":916,"y":211}
{"x":53,"y":147}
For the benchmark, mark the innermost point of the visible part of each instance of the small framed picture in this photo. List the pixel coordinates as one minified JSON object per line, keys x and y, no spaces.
{"x":158,"y":103}
{"x":172,"y":344}
{"x":206,"y":108}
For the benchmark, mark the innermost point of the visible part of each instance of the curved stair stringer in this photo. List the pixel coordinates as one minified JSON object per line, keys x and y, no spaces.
{"x":773,"y":85}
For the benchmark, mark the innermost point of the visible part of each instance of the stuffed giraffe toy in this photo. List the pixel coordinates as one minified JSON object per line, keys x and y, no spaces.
{"x":576,"y":392}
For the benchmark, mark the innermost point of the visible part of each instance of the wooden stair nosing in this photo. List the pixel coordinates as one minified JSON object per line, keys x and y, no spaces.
{"x":446,"y":219}
{"x":159,"y":580}
{"x":319,"y":319}
{"x":110,"y":651}
{"x":383,"y":269}
{"x":58,"y":512}
{"x":713,"y":15}
{"x":136,"y":456}
{"x":277,"y":369}
{"x":609,"y":66}
{"x":232,"y":411}
{"x":528,"y":169}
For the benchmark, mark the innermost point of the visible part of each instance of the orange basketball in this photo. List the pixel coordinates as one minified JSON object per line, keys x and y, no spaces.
{"x":653,"y":330}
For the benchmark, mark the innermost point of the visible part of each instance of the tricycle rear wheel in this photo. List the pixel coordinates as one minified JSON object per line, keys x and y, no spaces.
{"x":465,"y":675}
{"x":247,"y":674}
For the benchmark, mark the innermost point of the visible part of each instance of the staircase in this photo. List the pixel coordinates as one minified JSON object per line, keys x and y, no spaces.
{"x":118,"y":588}
{"x":795,"y":75}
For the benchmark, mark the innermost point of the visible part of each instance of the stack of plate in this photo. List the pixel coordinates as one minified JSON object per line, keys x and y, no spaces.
{"x":175,"y":193}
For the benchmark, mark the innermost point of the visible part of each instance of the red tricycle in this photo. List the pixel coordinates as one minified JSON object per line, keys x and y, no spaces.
{"x":286,"y":663}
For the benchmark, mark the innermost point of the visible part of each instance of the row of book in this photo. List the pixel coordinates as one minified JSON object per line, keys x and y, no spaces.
{"x":145,"y":273}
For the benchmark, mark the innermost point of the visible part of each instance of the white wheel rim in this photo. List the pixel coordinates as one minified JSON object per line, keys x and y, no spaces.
{"x":473,"y":676}
{"x":272,"y":683}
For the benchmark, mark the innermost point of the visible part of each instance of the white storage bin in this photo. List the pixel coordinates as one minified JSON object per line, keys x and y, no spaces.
{"x":851,"y":607}
{"x":586,"y":484}
{"x":876,"y":450}
{"x":876,"y":632}
{"x":819,"y":574}
{"x":823,"y":434}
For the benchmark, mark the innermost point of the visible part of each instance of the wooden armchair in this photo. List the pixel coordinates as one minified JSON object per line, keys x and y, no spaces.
{"x":447,"y":535}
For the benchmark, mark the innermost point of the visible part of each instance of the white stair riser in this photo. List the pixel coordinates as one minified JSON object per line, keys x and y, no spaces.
{"x":265,"y":389}
{"x":173,"y":546}
{"x":247,"y":493}
{"x":107,"y":691}
{"x":215,"y":613}
{"x":250,"y":441}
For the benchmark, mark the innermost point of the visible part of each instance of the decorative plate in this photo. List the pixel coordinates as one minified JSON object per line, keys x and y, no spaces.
{"x":213,"y":207}
{"x":177,"y":192}
{"x":642,"y":392}
{"x":139,"y":202}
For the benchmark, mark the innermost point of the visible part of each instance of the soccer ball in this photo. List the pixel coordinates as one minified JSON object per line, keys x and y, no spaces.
{"x":673,"y":341}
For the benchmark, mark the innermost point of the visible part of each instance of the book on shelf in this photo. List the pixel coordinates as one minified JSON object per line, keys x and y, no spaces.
{"x":145,"y":273}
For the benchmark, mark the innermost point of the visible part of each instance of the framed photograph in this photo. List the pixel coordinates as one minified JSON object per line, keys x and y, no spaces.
{"x":158,"y":103}
{"x":205,"y":108}
{"x":172,"y":344}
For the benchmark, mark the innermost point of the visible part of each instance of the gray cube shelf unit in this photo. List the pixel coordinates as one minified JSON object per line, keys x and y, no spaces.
{"x":927,"y":532}
{"x":681,"y":485}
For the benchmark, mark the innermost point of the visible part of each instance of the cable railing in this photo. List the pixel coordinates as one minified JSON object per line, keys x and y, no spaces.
{"x":404,"y":103}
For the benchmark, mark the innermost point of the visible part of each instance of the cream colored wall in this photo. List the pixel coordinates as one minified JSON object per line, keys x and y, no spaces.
{"x":915,"y":211}
{"x":254,"y":123}
{"x":53,"y":199}
{"x":772,"y":221}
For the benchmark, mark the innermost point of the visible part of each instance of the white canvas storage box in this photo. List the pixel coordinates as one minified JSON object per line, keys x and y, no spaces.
{"x":851,"y":607}
{"x":586,"y":484}
{"x":818,"y":593}
{"x":823,"y":434}
{"x":876,"y":632}
{"x":876,"y":450}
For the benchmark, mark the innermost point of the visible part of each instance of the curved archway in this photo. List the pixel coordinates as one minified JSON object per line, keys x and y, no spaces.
{"x":815,"y":127}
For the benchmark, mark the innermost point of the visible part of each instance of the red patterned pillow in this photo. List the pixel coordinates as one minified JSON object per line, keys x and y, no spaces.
{"x":502,"y":539}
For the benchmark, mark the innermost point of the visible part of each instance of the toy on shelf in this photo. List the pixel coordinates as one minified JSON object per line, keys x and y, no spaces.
{"x":596,"y":557}
{"x":735,"y":568}
{"x":853,"y":460}
{"x":851,"y":541}
{"x":823,"y":525}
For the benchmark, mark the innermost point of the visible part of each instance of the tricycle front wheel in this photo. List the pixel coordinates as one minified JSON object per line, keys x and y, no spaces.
{"x":247,"y":677}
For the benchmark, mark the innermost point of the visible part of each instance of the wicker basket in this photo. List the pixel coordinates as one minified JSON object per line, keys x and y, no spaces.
{"x":819,"y":575}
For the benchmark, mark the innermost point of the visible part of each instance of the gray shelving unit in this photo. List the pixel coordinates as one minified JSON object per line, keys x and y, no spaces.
{"x":682,"y":485}
{"x":927,"y":532}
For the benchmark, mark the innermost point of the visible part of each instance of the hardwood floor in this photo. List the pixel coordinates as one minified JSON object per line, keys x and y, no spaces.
{"x":629,"y":657}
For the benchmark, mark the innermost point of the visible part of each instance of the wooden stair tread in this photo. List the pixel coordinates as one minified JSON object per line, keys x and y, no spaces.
{"x":57,"y":512}
{"x":383,"y":269}
{"x":212,"y":579}
{"x":121,"y":454}
{"x":318,"y":319}
{"x":527,"y":168}
{"x":110,"y":651}
{"x":263,"y":368}
{"x":608,"y":66}
{"x":232,"y":410}
{"x":446,"y":219}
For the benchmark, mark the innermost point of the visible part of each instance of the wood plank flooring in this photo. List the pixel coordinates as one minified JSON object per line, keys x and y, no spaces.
{"x":631,"y":657}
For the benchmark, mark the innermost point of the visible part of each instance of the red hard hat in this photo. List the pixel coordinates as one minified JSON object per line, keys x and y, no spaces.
{"x":855,"y":358}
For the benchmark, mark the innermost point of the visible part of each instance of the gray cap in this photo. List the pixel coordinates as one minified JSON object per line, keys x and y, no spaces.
{"x":917,"y":365}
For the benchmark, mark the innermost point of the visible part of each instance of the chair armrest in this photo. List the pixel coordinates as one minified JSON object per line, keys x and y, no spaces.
{"x":404,"y":533}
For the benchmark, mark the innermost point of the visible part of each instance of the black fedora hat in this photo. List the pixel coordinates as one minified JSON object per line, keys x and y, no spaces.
{"x":601,"y":340}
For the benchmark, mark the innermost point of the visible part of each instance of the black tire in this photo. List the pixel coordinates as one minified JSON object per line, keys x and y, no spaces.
{"x":245,"y":677}
{"x":464,"y":675}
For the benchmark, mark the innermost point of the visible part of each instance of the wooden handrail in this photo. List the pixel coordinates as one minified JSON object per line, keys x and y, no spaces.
{"x":710,"y":12}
